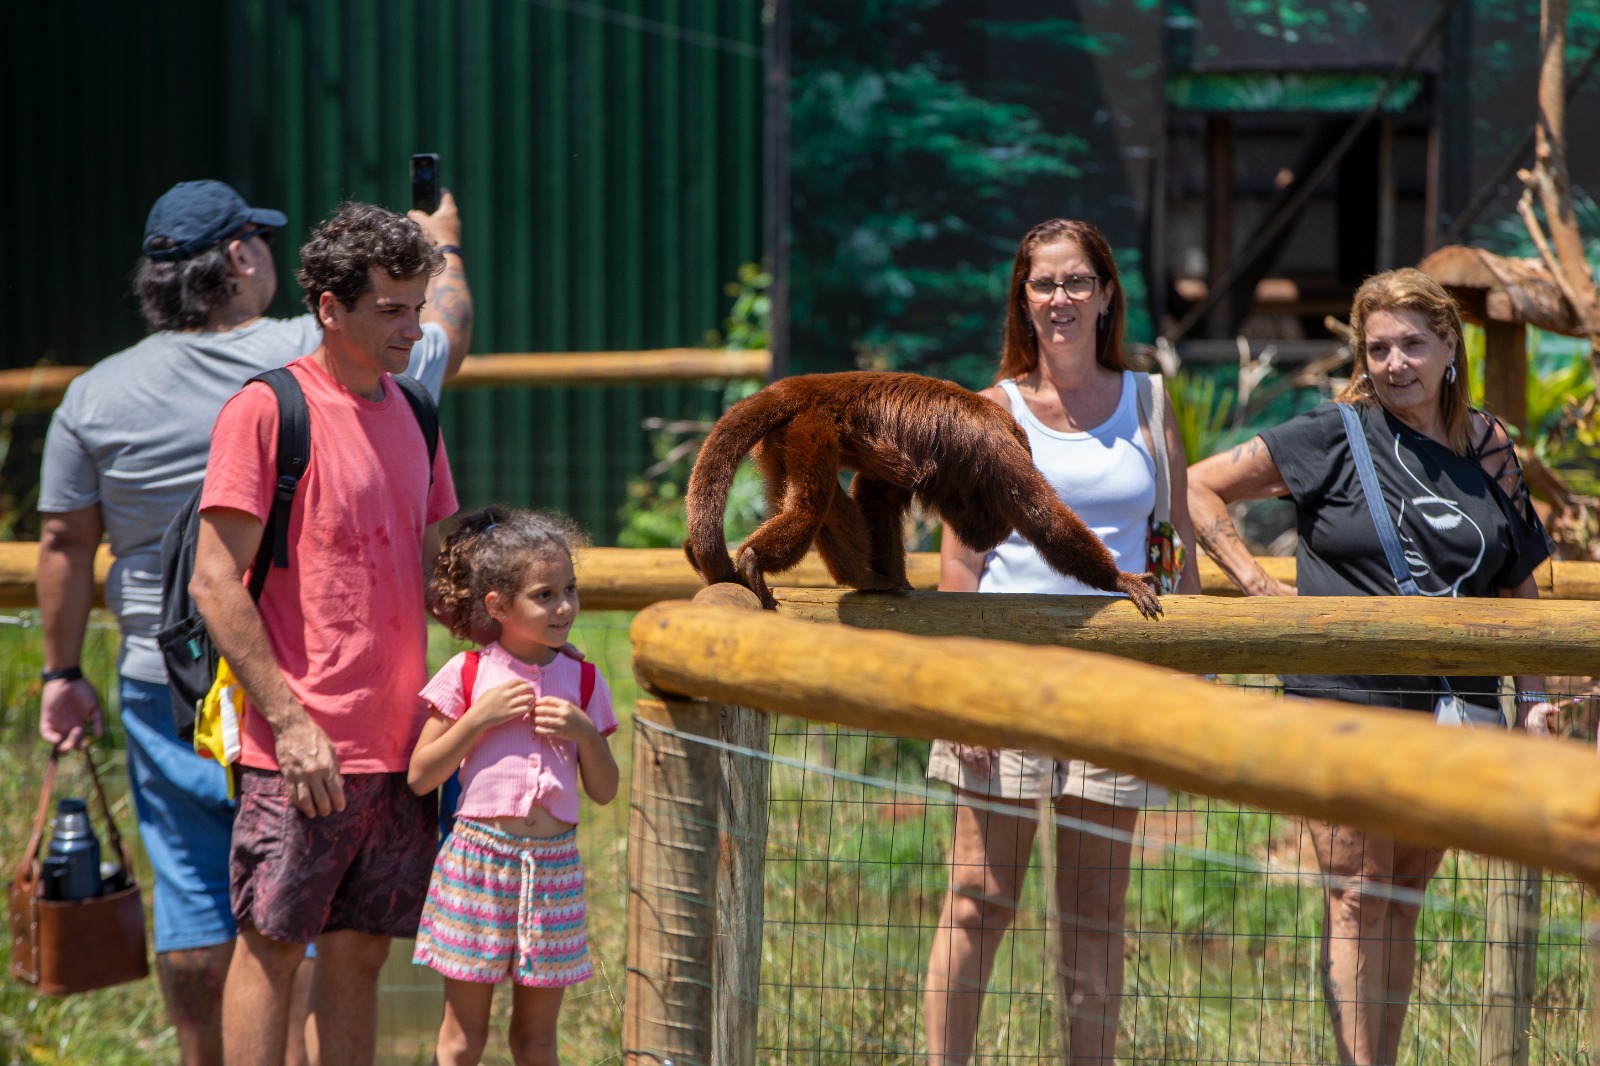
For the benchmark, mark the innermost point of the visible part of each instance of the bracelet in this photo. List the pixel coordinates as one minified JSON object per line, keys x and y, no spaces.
{"x":66,"y":673}
{"x":451,"y":249}
{"x":1533,"y":697}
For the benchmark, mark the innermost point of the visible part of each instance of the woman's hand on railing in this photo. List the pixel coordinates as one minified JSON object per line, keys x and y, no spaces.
{"x":1541,"y":719}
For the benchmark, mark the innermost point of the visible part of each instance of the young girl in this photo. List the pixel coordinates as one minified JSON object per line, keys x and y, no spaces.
{"x":524,"y":724}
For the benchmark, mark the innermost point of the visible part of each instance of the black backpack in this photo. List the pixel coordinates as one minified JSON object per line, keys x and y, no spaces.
{"x":186,"y":647}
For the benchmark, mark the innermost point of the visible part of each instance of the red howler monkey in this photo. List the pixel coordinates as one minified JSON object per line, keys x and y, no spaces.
{"x":907,"y":437}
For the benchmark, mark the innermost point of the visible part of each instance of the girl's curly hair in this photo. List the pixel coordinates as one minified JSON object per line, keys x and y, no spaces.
{"x":490,"y":551}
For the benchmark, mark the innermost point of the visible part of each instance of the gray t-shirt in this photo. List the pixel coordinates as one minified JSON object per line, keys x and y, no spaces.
{"x":132,"y":434}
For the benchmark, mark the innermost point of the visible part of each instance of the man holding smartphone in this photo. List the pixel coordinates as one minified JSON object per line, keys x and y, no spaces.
{"x":125,"y":449}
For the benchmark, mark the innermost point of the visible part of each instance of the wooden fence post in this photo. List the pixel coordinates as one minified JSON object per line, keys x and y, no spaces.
{"x":672,"y":849}
{"x":1511,"y":948}
{"x":1508,"y":963}
{"x":741,"y":880}
{"x":696,"y":871}
{"x":1594,"y":984}
{"x":741,"y":866}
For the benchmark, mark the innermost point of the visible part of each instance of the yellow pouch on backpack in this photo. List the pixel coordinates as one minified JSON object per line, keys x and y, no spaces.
{"x":216,"y":727}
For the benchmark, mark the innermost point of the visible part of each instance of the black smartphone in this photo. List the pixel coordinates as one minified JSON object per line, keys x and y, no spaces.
{"x":425,"y":181}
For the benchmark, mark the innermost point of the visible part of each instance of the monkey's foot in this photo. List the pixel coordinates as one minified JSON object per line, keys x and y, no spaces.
{"x":876,"y":582}
{"x":1141,"y":589}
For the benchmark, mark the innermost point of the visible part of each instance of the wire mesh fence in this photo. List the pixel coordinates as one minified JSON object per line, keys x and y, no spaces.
{"x":1223,"y":927}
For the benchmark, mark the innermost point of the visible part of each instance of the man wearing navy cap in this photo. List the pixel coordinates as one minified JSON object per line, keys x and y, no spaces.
{"x":125,"y":449}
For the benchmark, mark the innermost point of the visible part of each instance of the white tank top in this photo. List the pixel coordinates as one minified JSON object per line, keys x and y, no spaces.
{"x":1105,"y":474}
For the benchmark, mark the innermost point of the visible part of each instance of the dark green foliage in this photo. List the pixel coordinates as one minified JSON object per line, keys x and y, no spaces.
{"x":908,"y":173}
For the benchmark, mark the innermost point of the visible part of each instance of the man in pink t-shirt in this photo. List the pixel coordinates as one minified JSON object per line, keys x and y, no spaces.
{"x":329,"y":843}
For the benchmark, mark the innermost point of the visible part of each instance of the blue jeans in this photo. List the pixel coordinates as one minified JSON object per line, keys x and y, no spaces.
{"x":185,"y":822}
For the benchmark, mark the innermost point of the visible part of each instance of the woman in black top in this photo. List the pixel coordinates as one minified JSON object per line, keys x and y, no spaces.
{"x":1452,"y":485}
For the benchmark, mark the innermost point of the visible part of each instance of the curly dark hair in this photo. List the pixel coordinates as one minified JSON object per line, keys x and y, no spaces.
{"x":490,"y":551}
{"x":182,"y":293}
{"x":343,"y":250}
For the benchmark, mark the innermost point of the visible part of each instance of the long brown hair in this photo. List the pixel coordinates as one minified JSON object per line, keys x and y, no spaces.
{"x":1019,"y":347}
{"x":1409,"y":289}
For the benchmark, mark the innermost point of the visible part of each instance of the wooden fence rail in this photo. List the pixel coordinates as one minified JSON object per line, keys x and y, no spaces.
{"x":1373,"y":769}
{"x":628,"y":579}
{"x":1383,"y":772}
{"x":40,"y":388}
{"x":1258,"y":635}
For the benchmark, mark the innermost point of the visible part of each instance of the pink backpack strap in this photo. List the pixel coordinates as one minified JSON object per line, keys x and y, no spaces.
{"x":586,"y":680}
{"x":469,"y":676}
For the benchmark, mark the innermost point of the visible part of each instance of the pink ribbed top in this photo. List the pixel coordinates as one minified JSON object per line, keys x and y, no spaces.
{"x":512,"y":768}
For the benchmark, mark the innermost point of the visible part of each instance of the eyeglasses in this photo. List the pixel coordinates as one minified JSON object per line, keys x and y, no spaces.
{"x":264,"y":232}
{"x":1076,"y":286}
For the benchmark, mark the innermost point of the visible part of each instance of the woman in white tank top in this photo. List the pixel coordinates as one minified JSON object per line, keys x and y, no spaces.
{"x":1062,"y":377}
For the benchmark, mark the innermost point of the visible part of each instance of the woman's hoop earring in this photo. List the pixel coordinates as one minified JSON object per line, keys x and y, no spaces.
{"x":1450,"y":374}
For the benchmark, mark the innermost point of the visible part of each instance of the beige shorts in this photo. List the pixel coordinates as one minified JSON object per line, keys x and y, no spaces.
{"x":1019,"y":775}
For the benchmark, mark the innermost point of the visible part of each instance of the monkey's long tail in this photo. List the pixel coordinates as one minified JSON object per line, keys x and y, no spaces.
{"x":739,"y":429}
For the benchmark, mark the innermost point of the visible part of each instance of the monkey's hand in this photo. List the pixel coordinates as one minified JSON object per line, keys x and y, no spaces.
{"x":1141,"y":589}
{"x":749,"y":568}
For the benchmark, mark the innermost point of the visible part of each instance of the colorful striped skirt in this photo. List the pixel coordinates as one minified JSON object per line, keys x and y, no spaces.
{"x":501,"y":904}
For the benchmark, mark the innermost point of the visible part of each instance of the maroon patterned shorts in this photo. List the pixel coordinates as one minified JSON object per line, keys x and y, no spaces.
{"x":364,"y":868}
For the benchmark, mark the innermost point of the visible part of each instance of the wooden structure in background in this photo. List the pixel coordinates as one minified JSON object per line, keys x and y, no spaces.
{"x":1556,"y":291}
{"x":40,"y":388}
{"x":1505,"y":297}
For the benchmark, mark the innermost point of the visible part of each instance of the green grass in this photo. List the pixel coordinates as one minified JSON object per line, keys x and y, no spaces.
{"x":119,"y":1025}
{"x":1222,"y":924}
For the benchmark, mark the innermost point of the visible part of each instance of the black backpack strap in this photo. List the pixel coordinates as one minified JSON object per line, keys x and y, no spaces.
{"x":427,"y":413}
{"x":294,"y":455}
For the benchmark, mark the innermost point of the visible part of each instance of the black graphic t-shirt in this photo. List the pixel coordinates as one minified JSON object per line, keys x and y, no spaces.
{"x":1460,"y":534}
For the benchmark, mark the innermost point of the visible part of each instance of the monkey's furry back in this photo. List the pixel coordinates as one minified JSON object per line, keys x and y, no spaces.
{"x":951,"y":448}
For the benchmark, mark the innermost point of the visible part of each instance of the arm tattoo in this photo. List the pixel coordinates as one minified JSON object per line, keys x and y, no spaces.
{"x":1248,"y":450}
{"x":1220,"y":530}
{"x":449,"y":298}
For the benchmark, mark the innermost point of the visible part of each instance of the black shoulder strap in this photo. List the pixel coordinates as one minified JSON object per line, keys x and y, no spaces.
{"x":294,"y":455}
{"x":427,"y":413}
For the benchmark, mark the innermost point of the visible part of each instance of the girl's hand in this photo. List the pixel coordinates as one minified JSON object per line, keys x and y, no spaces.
{"x":504,"y":702}
{"x":556,"y":717}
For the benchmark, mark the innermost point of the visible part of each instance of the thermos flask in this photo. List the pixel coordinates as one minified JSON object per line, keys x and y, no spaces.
{"x":72,"y":867}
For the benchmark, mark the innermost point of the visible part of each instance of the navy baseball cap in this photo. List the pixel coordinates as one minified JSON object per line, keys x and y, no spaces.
{"x":198,"y":214}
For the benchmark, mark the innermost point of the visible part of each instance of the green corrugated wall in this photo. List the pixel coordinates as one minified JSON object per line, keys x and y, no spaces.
{"x":606,"y":155}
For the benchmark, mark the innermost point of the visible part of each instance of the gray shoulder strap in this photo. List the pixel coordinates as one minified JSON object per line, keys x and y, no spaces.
{"x":1387,"y":535}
